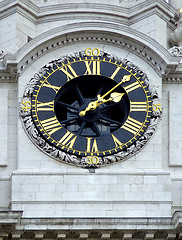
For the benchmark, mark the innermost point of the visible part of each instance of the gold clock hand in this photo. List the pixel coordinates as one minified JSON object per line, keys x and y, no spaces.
{"x":115,"y":97}
{"x":126,"y":78}
{"x":93,"y":105}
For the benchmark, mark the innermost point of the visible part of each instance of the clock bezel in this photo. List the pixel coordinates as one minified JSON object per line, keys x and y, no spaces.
{"x":50,"y":150}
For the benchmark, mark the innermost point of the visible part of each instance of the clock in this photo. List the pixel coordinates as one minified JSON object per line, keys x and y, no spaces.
{"x":89,"y":108}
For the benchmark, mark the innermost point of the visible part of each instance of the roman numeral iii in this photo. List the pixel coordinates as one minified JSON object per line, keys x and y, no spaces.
{"x":138,"y":106}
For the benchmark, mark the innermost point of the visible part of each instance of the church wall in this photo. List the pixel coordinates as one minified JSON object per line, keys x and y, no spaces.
{"x":8,"y":38}
{"x":138,"y":183}
{"x":147,"y":185}
{"x":8,"y":132}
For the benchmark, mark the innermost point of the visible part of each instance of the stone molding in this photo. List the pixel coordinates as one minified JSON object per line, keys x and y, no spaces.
{"x":112,"y":33}
{"x":12,"y":223}
{"x":176,"y":78}
{"x":81,"y":171}
{"x":9,"y":73}
{"x":120,"y":9}
{"x":107,"y":33}
{"x":159,"y":58}
{"x":176,"y":51}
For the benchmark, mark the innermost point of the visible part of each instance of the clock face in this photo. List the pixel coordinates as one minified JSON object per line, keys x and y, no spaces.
{"x":91,"y":106}
{"x":90,"y":111}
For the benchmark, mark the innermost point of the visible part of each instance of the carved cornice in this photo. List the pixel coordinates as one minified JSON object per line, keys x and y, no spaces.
{"x":107,"y":33}
{"x":103,"y":30}
{"x":124,"y":44}
{"x":173,"y":79}
{"x":10,"y":74}
{"x":7,"y":75}
{"x":123,"y":12}
{"x":90,"y":228}
{"x":120,"y":9}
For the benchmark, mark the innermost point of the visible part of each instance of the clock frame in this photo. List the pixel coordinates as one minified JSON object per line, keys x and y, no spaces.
{"x":110,"y":133}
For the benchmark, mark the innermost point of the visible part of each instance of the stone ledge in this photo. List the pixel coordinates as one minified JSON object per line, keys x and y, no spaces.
{"x":78,"y":171}
{"x":95,"y":228}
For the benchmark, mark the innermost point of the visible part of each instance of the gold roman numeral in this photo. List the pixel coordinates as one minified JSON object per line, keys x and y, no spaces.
{"x":48,"y":106}
{"x":132,"y":87}
{"x":68,"y":139}
{"x":69,"y":71}
{"x":131,"y":125}
{"x":138,"y":106}
{"x":116,"y":141}
{"x":47,"y":84}
{"x":50,"y":125}
{"x":116,"y":71}
{"x":93,"y":67}
{"x":92,"y":145}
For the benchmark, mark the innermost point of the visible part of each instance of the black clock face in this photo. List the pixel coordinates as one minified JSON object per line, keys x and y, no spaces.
{"x":91,"y":106}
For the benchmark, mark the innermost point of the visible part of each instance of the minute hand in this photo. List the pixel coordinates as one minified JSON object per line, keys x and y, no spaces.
{"x":93,"y":105}
{"x":126,"y":78}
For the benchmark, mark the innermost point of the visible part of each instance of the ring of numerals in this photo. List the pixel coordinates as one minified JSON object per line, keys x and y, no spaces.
{"x":68,"y":87}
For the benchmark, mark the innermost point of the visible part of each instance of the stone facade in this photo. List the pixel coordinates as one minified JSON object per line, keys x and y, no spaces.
{"x":140,"y":197}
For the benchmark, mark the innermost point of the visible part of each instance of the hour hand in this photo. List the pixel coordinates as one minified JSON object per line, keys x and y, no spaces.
{"x":91,"y":106}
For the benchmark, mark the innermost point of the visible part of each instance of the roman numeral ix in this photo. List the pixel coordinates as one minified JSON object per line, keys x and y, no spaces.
{"x":48,"y":106}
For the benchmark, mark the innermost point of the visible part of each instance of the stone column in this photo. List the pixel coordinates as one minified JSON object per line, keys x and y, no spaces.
{"x":176,"y":36}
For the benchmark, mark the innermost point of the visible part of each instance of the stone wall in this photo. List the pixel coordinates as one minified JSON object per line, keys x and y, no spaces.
{"x":35,"y":33}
